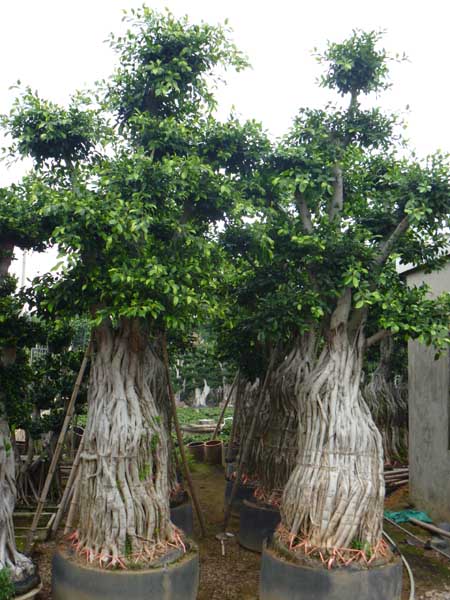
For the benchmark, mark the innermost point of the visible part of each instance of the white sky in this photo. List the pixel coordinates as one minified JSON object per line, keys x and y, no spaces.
{"x":55,"y":46}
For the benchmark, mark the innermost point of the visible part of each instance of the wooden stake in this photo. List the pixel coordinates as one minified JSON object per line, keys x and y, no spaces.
{"x":187,"y":473}
{"x":429,"y":527}
{"x":248,"y":441}
{"x":56,"y":454}
{"x":68,"y":489}
{"x":219,"y":422}
{"x":234,"y":426}
{"x":73,"y":506}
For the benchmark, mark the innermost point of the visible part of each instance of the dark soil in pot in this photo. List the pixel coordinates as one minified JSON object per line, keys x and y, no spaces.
{"x":257,"y":522}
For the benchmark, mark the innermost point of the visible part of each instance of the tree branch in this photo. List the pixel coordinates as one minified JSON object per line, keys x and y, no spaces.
{"x":377,"y":337}
{"x":337,"y":202}
{"x":303,"y":209}
{"x":342,"y":311}
{"x":387,"y":246}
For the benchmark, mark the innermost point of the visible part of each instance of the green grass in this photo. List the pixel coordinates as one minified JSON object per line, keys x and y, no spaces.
{"x":188,"y":416}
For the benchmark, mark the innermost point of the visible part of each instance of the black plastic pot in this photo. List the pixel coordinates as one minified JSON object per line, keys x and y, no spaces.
{"x":181,"y":515}
{"x":243,"y":492}
{"x":213,"y":452}
{"x":257,"y":522}
{"x":284,"y":580}
{"x":175,"y":581}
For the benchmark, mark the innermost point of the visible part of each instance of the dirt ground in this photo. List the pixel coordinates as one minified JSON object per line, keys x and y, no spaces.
{"x":235,"y":576}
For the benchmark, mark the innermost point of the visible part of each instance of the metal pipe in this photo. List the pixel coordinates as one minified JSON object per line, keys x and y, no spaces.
{"x":416,"y":538}
{"x":412,"y":587}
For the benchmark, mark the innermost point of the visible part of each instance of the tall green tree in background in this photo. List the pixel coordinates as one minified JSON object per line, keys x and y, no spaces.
{"x":20,"y":226}
{"x":137,"y":201}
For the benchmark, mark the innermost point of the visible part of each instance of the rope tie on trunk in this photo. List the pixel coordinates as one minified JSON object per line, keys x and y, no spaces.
{"x":342,"y":452}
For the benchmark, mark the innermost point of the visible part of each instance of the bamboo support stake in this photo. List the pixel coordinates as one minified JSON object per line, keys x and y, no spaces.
{"x":180,"y":439}
{"x":248,"y":441}
{"x":222,"y":414}
{"x":73,"y":506}
{"x":414,"y":537}
{"x":59,"y":445}
{"x":68,"y":489}
{"x":429,"y":527}
{"x":234,"y":426}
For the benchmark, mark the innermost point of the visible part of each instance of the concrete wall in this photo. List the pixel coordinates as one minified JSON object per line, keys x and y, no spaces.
{"x":429,"y":415}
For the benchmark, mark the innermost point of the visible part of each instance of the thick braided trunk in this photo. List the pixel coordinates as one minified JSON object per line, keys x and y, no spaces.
{"x":124,"y":489}
{"x":274,"y":453}
{"x":19,"y":565}
{"x":249,"y":393}
{"x":388,"y":404}
{"x":335,"y":494}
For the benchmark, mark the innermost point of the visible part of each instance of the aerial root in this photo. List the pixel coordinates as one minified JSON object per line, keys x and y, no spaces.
{"x":272,"y":498}
{"x":149,"y":551}
{"x":332,"y":557}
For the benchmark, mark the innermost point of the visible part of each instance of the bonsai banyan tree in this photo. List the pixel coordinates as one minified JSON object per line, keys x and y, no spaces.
{"x":137,"y":202}
{"x":262,"y":289}
{"x":354,"y":204}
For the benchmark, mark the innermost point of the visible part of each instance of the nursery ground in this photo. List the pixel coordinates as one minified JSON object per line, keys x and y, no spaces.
{"x":235,"y":576}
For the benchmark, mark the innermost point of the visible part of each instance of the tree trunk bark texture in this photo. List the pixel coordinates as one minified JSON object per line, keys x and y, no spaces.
{"x":388,"y":404}
{"x":275,"y":450}
{"x":335,"y":494}
{"x":18,"y":564}
{"x":248,"y":397}
{"x":124,"y":474}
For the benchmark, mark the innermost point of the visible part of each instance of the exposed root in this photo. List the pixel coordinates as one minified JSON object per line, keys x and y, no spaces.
{"x":333,"y":557}
{"x":272,"y":498}
{"x":150,"y":551}
{"x":246,"y":479}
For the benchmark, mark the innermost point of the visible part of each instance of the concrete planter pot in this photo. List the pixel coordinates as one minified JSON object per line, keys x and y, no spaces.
{"x":243,"y":492}
{"x":197,"y":450}
{"x":284,"y":580}
{"x":181,"y":515}
{"x":257,"y":522}
{"x":174,"y":581}
{"x":213,"y":452}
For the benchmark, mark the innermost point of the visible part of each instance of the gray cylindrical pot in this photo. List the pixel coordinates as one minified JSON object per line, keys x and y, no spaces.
{"x":181,"y":515}
{"x":197,"y":450}
{"x":284,"y":580}
{"x":213,"y":452}
{"x":175,"y":581}
{"x":257,"y":522}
